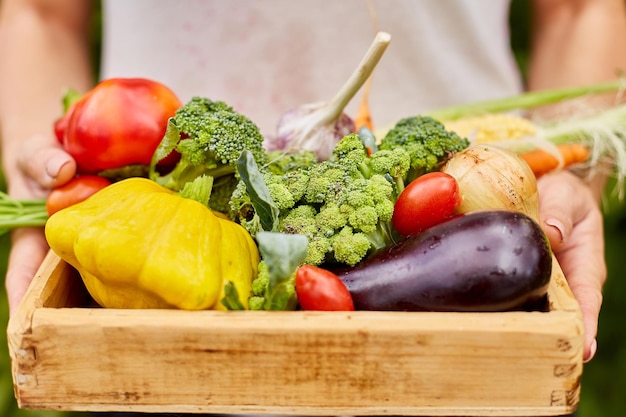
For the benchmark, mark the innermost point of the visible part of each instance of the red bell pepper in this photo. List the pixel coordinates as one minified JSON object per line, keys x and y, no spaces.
{"x":120,"y":122}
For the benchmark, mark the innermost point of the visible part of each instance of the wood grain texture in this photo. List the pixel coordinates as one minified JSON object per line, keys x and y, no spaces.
{"x":68,"y":357}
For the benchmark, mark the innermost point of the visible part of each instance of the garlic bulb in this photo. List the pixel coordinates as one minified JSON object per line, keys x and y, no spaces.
{"x":319,"y":126}
{"x":491,"y":177}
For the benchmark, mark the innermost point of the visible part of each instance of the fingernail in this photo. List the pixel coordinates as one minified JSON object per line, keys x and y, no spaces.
{"x":592,"y":351}
{"x":55,"y":164}
{"x":556,"y":224}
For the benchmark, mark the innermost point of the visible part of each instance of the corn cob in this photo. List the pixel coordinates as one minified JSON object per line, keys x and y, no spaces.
{"x":492,"y":127}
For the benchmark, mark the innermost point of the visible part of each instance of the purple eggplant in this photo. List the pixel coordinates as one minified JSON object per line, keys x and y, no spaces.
{"x":494,"y":260}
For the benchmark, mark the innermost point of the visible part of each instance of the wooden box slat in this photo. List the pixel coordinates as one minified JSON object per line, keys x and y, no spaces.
{"x":69,"y":357}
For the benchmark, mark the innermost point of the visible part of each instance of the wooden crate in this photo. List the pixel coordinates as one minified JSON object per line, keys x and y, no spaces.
{"x":66,"y":356}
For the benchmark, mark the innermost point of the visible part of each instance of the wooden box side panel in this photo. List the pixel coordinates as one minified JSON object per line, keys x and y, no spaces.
{"x":560,"y":295}
{"x":314,"y":363}
{"x":366,"y":363}
{"x":55,"y":284}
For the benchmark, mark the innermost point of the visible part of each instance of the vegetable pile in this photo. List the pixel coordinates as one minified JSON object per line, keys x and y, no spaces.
{"x":183,"y":206}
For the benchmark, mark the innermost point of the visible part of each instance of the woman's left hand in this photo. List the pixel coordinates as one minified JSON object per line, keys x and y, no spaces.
{"x":571,"y":217}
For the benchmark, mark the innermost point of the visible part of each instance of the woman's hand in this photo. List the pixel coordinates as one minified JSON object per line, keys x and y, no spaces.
{"x":572,"y":219}
{"x":41,"y":164}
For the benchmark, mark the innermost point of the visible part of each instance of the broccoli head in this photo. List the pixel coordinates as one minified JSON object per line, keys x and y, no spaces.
{"x":281,"y":162}
{"x":208,"y":136}
{"x":256,"y":301}
{"x":341,"y":205}
{"x":427,"y":142}
{"x":350,"y":247}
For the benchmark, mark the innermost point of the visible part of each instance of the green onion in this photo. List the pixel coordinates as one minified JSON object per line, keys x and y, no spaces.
{"x":21,"y":213}
{"x":528,"y":100}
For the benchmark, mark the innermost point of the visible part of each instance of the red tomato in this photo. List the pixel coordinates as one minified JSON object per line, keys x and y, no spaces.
{"x":426,"y":201}
{"x":120,"y":122}
{"x":320,"y":289}
{"x":74,"y":191}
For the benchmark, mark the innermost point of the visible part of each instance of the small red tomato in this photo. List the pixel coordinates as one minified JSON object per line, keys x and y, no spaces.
{"x":320,"y":289}
{"x":74,"y":191}
{"x":426,"y":201}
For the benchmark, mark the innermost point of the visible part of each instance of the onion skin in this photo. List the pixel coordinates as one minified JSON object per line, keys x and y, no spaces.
{"x":491,"y":177}
{"x":494,"y":260}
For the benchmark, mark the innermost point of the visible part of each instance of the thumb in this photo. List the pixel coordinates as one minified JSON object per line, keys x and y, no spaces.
{"x":46,"y":163}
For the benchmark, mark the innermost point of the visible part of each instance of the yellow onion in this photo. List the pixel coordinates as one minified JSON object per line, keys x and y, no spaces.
{"x":491,"y":177}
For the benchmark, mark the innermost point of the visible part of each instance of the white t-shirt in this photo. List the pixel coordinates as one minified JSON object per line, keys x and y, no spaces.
{"x":265,"y":57}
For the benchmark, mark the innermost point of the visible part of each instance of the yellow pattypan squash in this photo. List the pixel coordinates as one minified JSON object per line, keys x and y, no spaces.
{"x":137,"y":244}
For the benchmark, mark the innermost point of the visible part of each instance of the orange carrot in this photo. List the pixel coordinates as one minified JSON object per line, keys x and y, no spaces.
{"x":363,"y":116}
{"x":542,"y":162}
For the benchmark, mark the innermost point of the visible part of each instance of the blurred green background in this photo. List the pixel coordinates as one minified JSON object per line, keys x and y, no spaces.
{"x":604,"y":379}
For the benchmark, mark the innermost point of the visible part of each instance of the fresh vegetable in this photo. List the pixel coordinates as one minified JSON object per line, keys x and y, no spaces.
{"x":318,"y":126}
{"x":208,"y":136}
{"x":369,"y":140}
{"x":274,"y":287}
{"x":74,"y":191}
{"x":259,"y":288}
{"x":481,"y":261}
{"x":320,"y":289}
{"x":599,"y":128}
{"x":16,"y":213}
{"x":524,"y":136}
{"x":342,"y":205}
{"x":491,"y":177}
{"x":525,"y":101}
{"x":363,"y":117}
{"x":542,"y":162}
{"x":137,"y":244}
{"x":493,"y":127}
{"x":425,"y":202}
{"x":541,"y":150}
{"x":602,"y":132}
{"x":427,"y":142}
{"x":119,"y":122}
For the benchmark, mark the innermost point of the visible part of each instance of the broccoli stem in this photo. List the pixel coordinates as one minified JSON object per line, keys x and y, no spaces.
{"x":199,"y":189}
{"x":184,"y":173}
{"x":399,"y":183}
{"x":382,"y":237}
{"x":221,"y":171}
{"x":365,"y":170}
